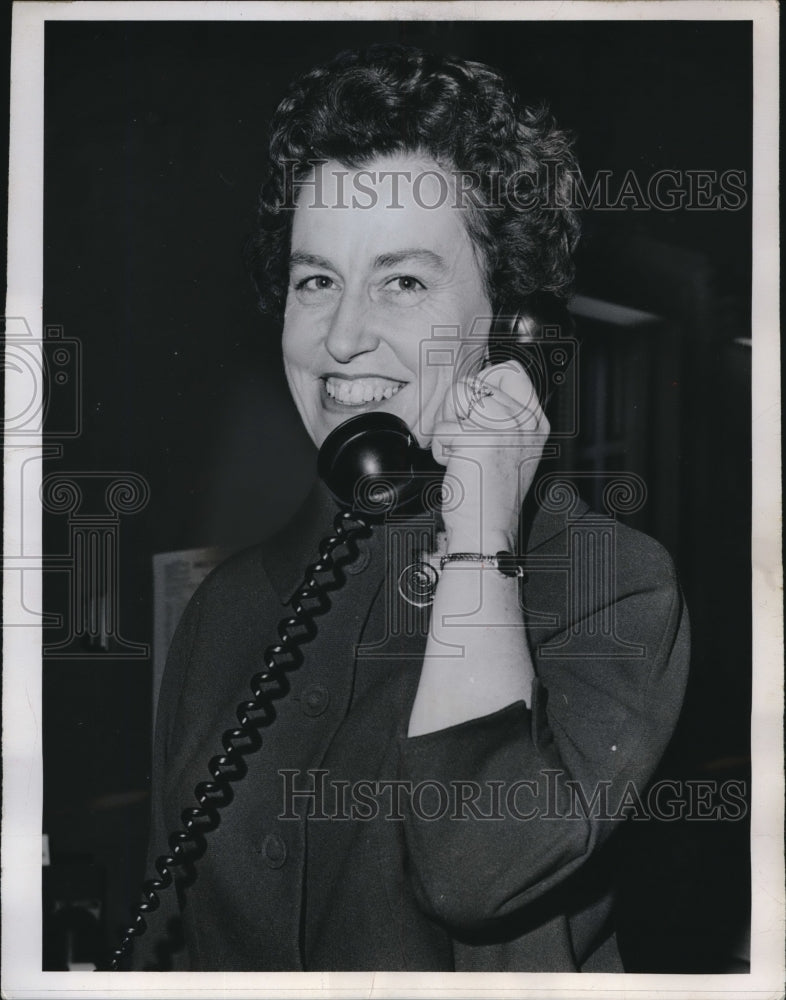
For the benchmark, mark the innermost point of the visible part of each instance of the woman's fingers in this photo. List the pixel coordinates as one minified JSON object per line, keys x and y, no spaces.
{"x":485,"y":408}
{"x":498,"y":421}
{"x":496,"y":411}
{"x":511,"y":378}
{"x":498,"y":398}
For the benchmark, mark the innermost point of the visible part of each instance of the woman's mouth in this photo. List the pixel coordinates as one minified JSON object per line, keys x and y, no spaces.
{"x":360,"y":390}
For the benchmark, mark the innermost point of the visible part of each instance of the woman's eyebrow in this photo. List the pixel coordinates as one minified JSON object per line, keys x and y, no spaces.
{"x":419,"y":254}
{"x":309,"y":260}
{"x":390,"y":259}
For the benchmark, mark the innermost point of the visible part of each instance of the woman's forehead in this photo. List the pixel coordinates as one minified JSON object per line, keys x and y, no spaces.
{"x":387,"y":205}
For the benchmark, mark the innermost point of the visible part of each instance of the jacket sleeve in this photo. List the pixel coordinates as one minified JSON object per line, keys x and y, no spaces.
{"x":550,"y":782}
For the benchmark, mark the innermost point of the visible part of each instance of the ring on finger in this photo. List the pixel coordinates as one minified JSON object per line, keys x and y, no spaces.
{"x":479,"y":390}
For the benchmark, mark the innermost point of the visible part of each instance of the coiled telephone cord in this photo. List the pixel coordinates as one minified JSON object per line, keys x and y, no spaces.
{"x":189,"y":844}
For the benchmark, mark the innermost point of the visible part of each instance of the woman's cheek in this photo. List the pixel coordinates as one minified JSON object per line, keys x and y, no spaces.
{"x":435,"y":402}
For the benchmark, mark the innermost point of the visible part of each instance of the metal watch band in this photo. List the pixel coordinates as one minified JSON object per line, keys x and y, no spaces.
{"x":505,"y":562}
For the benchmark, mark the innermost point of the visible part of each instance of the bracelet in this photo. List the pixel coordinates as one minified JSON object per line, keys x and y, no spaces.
{"x":504,"y":562}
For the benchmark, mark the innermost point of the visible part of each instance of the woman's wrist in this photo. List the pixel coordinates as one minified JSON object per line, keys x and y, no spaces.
{"x":488,"y":541}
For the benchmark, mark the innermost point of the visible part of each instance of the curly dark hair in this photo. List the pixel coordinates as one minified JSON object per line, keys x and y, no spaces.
{"x":391,"y":99}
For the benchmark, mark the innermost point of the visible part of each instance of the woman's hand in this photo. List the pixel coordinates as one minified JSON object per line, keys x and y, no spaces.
{"x":490,"y":436}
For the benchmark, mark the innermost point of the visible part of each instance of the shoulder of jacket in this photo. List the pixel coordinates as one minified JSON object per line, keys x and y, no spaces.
{"x":642,"y":557}
{"x":638,"y":557}
{"x":241,"y":574}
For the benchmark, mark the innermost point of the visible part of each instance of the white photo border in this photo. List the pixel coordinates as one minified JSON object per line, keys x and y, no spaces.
{"x":22,"y":754}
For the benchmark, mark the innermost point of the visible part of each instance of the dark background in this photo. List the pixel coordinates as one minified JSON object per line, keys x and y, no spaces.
{"x":154,"y":140}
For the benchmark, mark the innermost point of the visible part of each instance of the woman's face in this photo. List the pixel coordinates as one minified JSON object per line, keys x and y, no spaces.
{"x":384,"y":293}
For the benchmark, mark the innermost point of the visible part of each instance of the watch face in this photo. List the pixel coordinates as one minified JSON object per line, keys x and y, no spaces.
{"x":507,"y":565}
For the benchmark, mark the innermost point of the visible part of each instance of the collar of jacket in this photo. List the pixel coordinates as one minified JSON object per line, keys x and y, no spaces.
{"x":291,"y":550}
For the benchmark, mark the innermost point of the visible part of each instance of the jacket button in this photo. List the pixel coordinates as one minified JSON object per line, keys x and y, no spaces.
{"x":359,"y":564}
{"x":314,"y":700}
{"x":275,"y":850}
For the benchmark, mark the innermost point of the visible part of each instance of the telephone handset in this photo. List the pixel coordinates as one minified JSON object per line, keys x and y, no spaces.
{"x":373,"y":462}
{"x":378,"y":450}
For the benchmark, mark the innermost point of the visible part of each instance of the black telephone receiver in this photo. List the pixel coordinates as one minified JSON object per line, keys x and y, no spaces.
{"x":373,"y":462}
{"x":379,"y":451}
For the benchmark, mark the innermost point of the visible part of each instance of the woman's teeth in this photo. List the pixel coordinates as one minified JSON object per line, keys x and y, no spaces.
{"x":353,"y":392}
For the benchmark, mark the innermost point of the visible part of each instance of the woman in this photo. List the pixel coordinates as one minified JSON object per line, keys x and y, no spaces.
{"x":456,"y":749}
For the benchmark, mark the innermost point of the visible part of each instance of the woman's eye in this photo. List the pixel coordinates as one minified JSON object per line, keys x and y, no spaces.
{"x":316,"y":283}
{"x":405,"y":283}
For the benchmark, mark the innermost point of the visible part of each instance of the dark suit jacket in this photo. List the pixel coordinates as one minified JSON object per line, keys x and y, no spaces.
{"x":349,"y":846}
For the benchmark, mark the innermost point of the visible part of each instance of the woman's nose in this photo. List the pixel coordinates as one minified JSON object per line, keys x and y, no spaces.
{"x":350,"y":332}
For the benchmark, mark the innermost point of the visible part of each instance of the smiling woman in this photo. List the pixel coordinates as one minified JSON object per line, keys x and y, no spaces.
{"x":429,"y":795}
{"x":367,"y":287}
